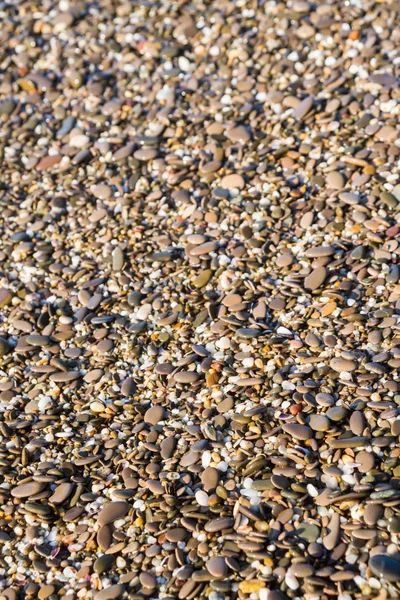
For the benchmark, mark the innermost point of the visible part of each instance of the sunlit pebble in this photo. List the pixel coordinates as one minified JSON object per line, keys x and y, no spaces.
{"x":223,"y":343}
{"x":201,"y":498}
{"x":312,"y":490}
{"x":374,"y":583}
{"x":222,"y":466}
{"x":292,"y":582}
{"x":206,"y":459}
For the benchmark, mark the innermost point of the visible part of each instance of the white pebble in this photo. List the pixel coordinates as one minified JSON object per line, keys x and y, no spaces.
{"x":292,"y":582}
{"x":312,"y":490}
{"x":206,"y":459}
{"x":201,"y":498}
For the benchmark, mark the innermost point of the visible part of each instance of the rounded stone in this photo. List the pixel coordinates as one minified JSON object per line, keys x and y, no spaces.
{"x":217,"y":566}
{"x":319,"y":423}
{"x":385,"y":566}
{"x":111,"y":511}
{"x":154,"y":415}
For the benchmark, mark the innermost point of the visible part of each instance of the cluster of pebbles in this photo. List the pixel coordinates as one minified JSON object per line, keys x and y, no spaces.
{"x":200,"y":290}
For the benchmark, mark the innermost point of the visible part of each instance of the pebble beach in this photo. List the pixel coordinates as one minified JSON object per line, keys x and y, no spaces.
{"x":199,"y":300}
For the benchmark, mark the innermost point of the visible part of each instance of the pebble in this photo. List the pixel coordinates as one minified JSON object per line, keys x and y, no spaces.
{"x":385,"y":566}
{"x":154,"y":415}
{"x":61,"y":493}
{"x":357,"y":422}
{"x":332,"y":538}
{"x":4,"y":347}
{"x":342,"y":365}
{"x":303,"y":108}
{"x":315,"y":279}
{"x":147,"y":580}
{"x":319,"y":423}
{"x":372,"y":514}
{"x":112,"y":511}
{"x":232,"y":181}
{"x":217,"y":567}
{"x":26,"y":490}
{"x":110,"y":593}
{"x":103,"y":564}
{"x":210,"y":478}
{"x":300,"y":432}
{"x":5,"y":297}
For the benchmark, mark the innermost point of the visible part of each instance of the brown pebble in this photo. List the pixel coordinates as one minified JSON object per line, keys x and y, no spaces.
{"x":300,"y":432}
{"x":111,"y":511}
{"x":315,"y":279}
{"x":154,"y":415}
{"x":216,"y":565}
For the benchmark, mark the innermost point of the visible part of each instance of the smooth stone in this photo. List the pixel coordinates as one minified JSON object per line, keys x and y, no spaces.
{"x":332,"y":538}
{"x":167,"y":448}
{"x":319,"y":251}
{"x":210,"y":478}
{"x":61,"y":493}
{"x":319,"y":423}
{"x":336,"y":413}
{"x":394,"y":525}
{"x":309,"y":532}
{"x":324,"y":399}
{"x":301,"y":570}
{"x":385,"y":566}
{"x":218,"y":524}
{"x":366,"y":461}
{"x":354,"y":442}
{"x":104,"y":537}
{"x":154,"y":415}
{"x":48,"y":161}
{"x":128,"y":388}
{"x":300,"y":432}
{"x":248,"y":333}
{"x":176,"y":534}
{"x":5,"y":347}
{"x":147,"y":580}
{"x":232,"y":181}
{"x":46,"y":591}
{"x":303,"y":108}
{"x":187,"y":589}
{"x":217,"y":566}
{"x":186,"y":377}
{"x":5,"y":297}
{"x":343,"y":364}
{"x":103,"y":563}
{"x":372,"y":514}
{"x":111,"y":511}
{"x":238,"y":134}
{"x":202,"y":278}
{"x":357,"y":422}
{"x":26,"y":490}
{"x":249,"y":381}
{"x":65,"y":377}
{"x":205,"y":248}
{"x":335,"y":180}
{"x":164,"y":368}
{"x":37,"y":340}
{"x":118,"y":259}
{"x":155,"y":487}
{"x":312,"y":340}
{"x":315,"y":279}
{"x":110,"y":593}
{"x":72,"y":514}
